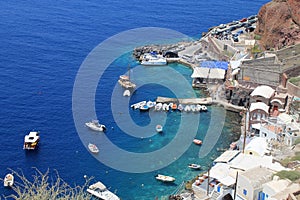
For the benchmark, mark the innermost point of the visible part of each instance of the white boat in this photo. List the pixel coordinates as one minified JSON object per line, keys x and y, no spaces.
{"x":9,"y":180}
{"x":159,"y":128}
{"x":31,"y":140}
{"x":153,"y":59}
{"x":100,"y":191}
{"x":158,"y":106}
{"x":187,"y":108}
{"x":180,"y":107}
{"x":126,"y":93}
{"x":193,"y":108}
{"x":138,"y":105}
{"x":93,"y":148}
{"x":194,"y":166}
{"x":95,"y":125}
{"x":164,"y":178}
{"x":204,"y":108}
{"x":150,"y":104}
{"x":199,"y":108}
{"x":165,"y":107}
{"x":144,"y":108}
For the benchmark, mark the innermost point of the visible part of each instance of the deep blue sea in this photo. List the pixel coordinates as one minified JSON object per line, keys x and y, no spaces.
{"x":42,"y":46}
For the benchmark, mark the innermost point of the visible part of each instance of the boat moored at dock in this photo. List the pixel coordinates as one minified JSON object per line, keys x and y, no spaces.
{"x":31,"y":140}
{"x":153,"y":59}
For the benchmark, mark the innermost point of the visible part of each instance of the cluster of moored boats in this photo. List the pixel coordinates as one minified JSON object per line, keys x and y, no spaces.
{"x":157,"y":106}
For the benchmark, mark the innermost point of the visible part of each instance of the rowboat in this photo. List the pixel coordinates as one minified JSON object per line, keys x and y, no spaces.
{"x":198,"y":142}
{"x":164,"y":178}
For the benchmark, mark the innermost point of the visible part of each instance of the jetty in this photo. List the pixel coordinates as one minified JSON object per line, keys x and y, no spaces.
{"x":186,"y":101}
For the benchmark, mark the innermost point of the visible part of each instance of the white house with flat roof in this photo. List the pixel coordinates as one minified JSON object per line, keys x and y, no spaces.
{"x":249,"y":183}
{"x":273,"y":187}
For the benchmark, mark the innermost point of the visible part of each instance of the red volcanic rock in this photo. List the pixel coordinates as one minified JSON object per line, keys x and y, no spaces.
{"x":279,"y":24}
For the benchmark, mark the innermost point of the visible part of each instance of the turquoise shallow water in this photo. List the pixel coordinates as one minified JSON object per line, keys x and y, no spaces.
{"x":44,"y":43}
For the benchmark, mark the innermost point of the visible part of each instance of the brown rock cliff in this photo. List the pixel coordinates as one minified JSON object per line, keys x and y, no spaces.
{"x":279,"y":24}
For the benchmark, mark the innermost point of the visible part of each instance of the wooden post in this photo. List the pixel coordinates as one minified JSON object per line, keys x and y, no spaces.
{"x":207,"y":192}
{"x":235,"y":185}
{"x":244,"y":142}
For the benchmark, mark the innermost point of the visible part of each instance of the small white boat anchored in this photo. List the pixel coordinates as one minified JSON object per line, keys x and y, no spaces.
{"x":93,"y":148}
{"x":138,"y":105}
{"x":158,"y":106}
{"x":125,"y":82}
{"x":96,"y":126}
{"x":164,"y":178}
{"x":194,"y":166}
{"x":197,"y":141}
{"x":31,"y":140}
{"x":9,"y":180}
{"x":126,"y":93}
{"x":159,"y":128}
{"x":100,"y":191}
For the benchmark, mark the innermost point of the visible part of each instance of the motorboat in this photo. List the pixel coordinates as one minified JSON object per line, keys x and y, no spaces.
{"x":164,"y":178}
{"x":158,"y":106}
{"x":150,"y":104}
{"x":100,"y":191}
{"x":31,"y":140}
{"x":199,"y":108}
{"x":187,"y":108}
{"x":159,"y":128}
{"x":194,"y":166}
{"x":125,"y":82}
{"x":144,"y":108}
{"x":96,"y":126}
{"x":93,"y":148}
{"x":193,"y":108}
{"x":153,"y":59}
{"x":165,"y":107}
{"x":138,"y":105}
{"x":126,"y":93}
{"x":9,"y":180}
{"x":204,"y":108}
{"x":197,"y":141}
{"x":180,"y":107}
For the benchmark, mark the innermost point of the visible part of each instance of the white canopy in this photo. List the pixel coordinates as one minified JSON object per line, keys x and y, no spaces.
{"x":216,"y":73}
{"x":264,"y":91}
{"x":259,"y":105}
{"x":200,"y":72}
{"x":235,"y":64}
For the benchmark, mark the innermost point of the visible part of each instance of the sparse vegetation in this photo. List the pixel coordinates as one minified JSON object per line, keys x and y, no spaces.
{"x":44,"y":187}
{"x":291,"y":175}
{"x":295,"y":80}
{"x":257,"y":37}
{"x":286,"y":161}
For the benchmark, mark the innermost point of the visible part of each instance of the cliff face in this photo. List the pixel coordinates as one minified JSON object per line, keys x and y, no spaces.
{"x":279,"y":24}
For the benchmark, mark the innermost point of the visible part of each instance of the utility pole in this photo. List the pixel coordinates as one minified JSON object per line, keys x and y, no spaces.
{"x":245,"y":130}
{"x":207,"y":192}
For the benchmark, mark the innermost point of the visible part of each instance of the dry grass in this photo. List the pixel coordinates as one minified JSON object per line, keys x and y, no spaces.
{"x":45,"y":187}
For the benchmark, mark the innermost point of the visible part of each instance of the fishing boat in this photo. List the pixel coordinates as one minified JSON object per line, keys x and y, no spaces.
{"x":197,"y":141}
{"x":164,"y":178}
{"x":159,"y":128}
{"x":194,"y":166}
{"x":9,"y":180}
{"x":31,"y":140}
{"x":100,"y":191}
{"x":96,"y":126}
{"x":93,"y":148}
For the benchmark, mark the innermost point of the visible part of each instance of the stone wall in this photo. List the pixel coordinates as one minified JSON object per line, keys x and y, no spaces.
{"x":293,"y":89}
